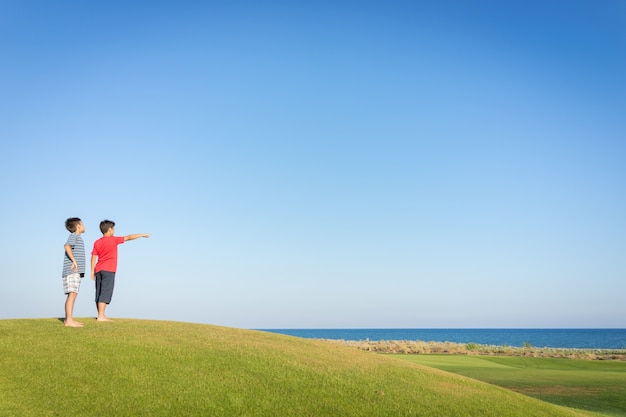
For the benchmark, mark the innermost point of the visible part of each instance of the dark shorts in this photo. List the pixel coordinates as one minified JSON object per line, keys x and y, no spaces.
{"x":105,"y":281}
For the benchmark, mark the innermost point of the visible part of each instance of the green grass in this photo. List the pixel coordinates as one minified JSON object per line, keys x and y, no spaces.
{"x":598,"y":386}
{"x":151,"y":368}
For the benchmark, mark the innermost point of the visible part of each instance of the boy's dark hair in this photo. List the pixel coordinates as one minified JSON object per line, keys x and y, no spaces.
{"x":105,"y":225}
{"x":71,"y":223}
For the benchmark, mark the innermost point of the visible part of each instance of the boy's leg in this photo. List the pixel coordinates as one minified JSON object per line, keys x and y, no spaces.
{"x":71,"y":285}
{"x":105,"y":282}
{"x":101,"y":307}
{"x":69,"y":308}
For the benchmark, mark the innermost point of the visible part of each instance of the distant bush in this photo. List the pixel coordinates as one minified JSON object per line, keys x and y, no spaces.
{"x":421,"y":347}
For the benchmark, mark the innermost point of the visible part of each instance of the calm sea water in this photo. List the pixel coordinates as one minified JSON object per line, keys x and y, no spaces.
{"x":554,"y":338}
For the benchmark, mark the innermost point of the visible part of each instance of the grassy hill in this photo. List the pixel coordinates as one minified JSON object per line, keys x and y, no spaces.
{"x":155,"y":368}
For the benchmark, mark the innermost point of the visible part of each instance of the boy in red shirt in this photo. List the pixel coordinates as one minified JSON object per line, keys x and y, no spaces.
{"x":103,"y":272}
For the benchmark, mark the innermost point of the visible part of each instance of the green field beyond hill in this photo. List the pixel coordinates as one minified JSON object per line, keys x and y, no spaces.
{"x":152,"y":368}
{"x":593,"y":385}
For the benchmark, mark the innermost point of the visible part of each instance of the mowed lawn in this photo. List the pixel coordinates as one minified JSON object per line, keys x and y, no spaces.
{"x":598,"y":386}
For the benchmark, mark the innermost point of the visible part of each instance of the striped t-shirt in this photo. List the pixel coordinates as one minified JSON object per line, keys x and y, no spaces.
{"x":78,"y":250}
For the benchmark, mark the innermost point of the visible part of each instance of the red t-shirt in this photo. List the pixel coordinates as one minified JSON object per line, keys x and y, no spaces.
{"x":105,"y":249}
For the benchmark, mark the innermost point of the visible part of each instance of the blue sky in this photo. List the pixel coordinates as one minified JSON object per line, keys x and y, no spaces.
{"x":320,"y":164}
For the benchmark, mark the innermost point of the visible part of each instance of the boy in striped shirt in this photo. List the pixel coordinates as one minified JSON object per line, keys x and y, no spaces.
{"x":73,"y":267}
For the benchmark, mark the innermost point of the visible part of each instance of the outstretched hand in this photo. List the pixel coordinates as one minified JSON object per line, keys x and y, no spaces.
{"x":136,"y":236}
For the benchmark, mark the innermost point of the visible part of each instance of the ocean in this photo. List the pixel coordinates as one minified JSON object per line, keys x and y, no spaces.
{"x":552,"y":338}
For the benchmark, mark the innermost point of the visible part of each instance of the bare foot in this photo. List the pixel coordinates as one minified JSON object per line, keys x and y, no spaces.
{"x":103,"y":319}
{"x":72,"y":323}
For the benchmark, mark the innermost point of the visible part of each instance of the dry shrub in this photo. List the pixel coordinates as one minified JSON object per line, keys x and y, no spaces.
{"x":451,"y":348}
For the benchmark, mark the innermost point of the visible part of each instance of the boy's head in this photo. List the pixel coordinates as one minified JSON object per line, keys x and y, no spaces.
{"x":106,"y":225}
{"x":72,"y":224}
